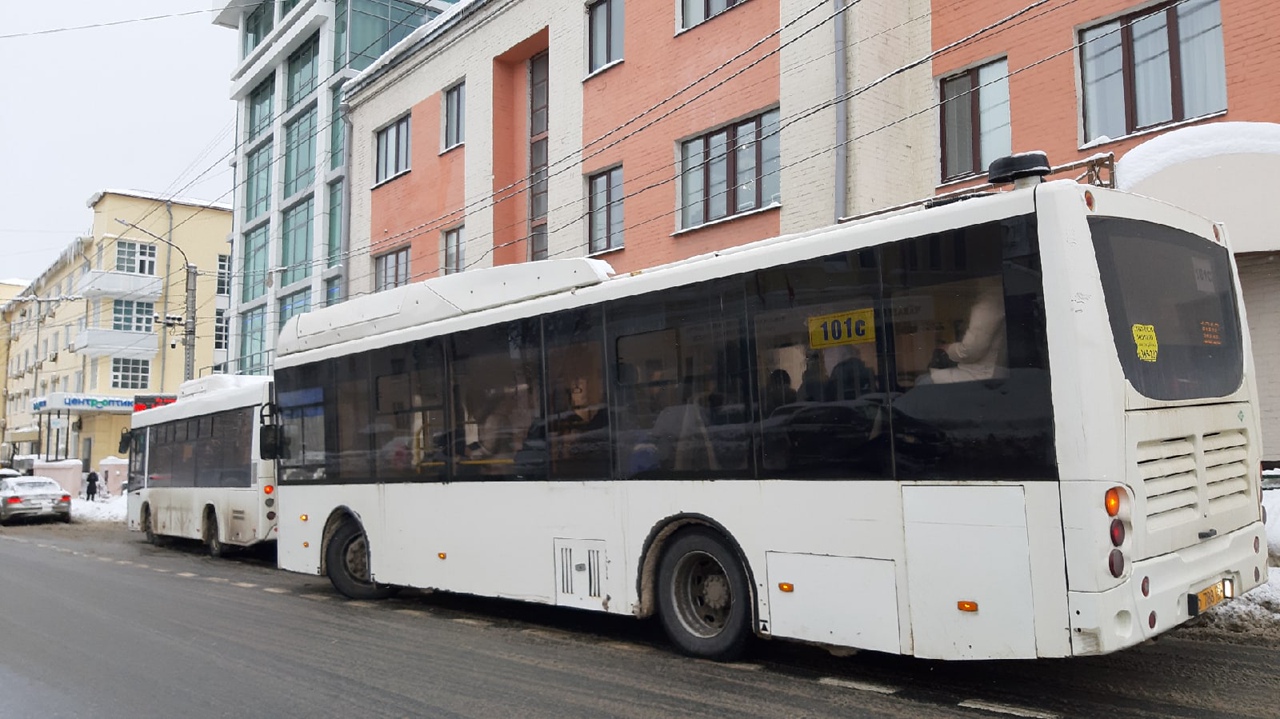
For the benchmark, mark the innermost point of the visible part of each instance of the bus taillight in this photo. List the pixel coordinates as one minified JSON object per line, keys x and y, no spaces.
{"x":1116,"y":563}
{"x":1113,"y":501}
{"x":1117,"y":532}
{"x":268,"y":489}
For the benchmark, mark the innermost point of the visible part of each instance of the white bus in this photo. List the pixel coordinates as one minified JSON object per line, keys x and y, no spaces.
{"x":1021,"y":425}
{"x":194,"y":470}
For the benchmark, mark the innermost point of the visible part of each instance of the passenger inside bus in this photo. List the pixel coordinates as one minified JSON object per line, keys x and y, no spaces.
{"x":980,"y":353}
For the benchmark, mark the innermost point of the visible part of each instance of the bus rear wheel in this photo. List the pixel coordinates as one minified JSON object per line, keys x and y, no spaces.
{"x":703,"y":597}
{"x":347,"y":564}
{"x":211,"y":539}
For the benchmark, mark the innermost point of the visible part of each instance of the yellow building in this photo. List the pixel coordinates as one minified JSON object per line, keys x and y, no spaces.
{"x":108,"y":321}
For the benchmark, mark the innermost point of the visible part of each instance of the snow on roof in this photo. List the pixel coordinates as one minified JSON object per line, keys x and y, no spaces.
{"x":423,"y":35}
{"x":1196,"y":143}
{"x":97,"y":197}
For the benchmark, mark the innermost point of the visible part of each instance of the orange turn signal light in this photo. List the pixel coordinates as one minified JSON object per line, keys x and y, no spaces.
{"x":1113,"y":501}
{"x":786,"y":586}
{"x":269,"y":489}
{"x":967,"y":606}
{"x":442,"y":555}
{"x":303,"y":517}
{"x":306,"y":544}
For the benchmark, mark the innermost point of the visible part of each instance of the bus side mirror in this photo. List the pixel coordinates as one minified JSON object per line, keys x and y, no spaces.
{"x":270,"y":442}
{"x":126,"y":442}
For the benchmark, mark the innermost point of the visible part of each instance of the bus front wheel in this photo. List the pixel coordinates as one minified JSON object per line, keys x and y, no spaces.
{"x":703,"y":597}
{"x":150,"y":532}
{"x":347,"y":564}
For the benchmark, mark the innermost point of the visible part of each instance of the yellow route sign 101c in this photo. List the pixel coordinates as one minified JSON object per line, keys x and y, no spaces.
{"x":842,"y":328}
{"x":1144,"y":336}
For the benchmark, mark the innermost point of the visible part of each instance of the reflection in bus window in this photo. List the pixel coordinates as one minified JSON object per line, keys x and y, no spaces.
{"x":497,"y":396}
{"x":682,"y":356}
{"x":817,"y":362}
{"x":971,"y":375}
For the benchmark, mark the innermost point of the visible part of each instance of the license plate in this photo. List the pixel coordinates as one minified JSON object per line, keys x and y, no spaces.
{"x":1210,"y":596}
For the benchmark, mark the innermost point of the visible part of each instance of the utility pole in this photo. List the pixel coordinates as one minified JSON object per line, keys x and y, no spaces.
{"x":189,"y":317}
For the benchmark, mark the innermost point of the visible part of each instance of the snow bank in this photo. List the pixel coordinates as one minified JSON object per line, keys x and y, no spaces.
{"x":1262,"y":605}
{"x":108,"y":510}
{"x":1196,"y":143}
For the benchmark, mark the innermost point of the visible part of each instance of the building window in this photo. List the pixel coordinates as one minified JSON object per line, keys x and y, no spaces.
{"x":730,"y":171}
{"x":376,"y":25}
{"x":287,"y":5}
{"x":300,"y":152}
{"x":132,"y":316}
{"x":221,"y":329}
{"x":135,"y":257}
{"x":606,"y":210}
{"x":393,"y":149}
{"x":606,"y":23}
{"x":257,"y":24}
{"x":1153,"y":67}
{"x":295,"y":245}
{"x":303,"y":71}
{"x":254,"y":282}
{"x":224,"y":274}
{"x":130,"y":373}
{"x":337,"y":131}
{"x":455,"y":112}
{"x":539,"y":107}
{"x":975,"y":119}
{"x":261,"y":101}
{"x":391,"y":270}
{"x":257,"y":183}
{"x":335,"y":224}
{"x":454,"y":245}
{"x":253,"y":342}
{"x":293,"y":305}
{"x":698,"y":11}
{"x":332,"y":291}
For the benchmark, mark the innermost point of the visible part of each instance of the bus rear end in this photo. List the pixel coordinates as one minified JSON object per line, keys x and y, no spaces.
{"x":1158,"y":426}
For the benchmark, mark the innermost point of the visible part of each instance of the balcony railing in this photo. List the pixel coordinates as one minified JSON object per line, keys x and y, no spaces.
{"x":98,"y":284}
{"x":107,"y":342}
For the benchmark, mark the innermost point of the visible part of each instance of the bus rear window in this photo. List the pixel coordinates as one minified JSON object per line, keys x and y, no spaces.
{"x":1173,"y":309}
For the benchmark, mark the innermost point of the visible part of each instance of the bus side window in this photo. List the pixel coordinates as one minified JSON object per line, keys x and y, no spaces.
{"x":577,"y":428}
{"x":497,"y":372}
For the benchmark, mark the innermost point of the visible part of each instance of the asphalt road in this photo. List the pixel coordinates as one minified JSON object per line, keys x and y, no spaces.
{"x":95,"y":623}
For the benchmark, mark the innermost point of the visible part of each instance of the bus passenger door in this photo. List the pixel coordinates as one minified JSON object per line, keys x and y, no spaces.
{"x":969,"y":572}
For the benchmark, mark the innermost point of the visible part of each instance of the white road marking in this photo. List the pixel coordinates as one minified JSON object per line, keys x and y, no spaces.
{"x":860,"y":686}
{"x":187,"y":575}
{"x":123,"y":561}
{"x":162,"y":571}
{"x":105,"y":559}
{"x":219,"y":580}
{"x":244,"y":585}
{"x":474,"y":622}
{"x":1006,"y":709}
{"x":275,"y":590}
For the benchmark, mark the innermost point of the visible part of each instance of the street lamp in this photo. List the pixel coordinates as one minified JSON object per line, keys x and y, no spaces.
{"x":189,"y":321}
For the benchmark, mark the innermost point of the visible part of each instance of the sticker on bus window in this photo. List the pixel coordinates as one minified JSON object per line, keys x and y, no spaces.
{"x":1212,"y":332}
{"x":1144,"y":336}
{"x":842,"y":328}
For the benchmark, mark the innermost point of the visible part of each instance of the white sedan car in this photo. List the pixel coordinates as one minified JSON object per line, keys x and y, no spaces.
{"x":33,"y":497}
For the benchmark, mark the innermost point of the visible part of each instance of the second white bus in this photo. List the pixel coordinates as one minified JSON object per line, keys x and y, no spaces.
{"x":194,"y":470}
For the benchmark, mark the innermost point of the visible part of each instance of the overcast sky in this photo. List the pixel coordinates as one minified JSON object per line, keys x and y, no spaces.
{"x":139,"y":105}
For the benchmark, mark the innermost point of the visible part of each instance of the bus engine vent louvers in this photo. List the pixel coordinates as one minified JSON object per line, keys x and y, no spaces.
{"x":1175,"y":470}
{"x":1226,"y":469}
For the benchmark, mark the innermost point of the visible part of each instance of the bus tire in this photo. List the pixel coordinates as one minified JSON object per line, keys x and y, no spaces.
{"x":704,"y":601}
{"x":217,"y":549}
{"x":347,"y":564}
{"x":148,"y":529}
